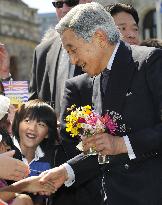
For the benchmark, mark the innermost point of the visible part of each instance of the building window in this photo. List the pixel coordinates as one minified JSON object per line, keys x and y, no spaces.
{"x":149,"y":25}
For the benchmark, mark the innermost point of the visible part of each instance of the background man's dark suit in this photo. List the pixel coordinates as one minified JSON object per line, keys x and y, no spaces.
{"x":39,"y":84}
{"x":135,"y":91}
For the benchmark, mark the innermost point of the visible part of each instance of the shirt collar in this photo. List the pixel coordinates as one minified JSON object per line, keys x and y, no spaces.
{"x":38,"y":152}
{"x":109,"y":65}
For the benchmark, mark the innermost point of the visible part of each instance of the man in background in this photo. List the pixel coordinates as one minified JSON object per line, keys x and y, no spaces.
{"x":40,"y":54}
{"x":126,"y":18}
{"x":50,"y":60}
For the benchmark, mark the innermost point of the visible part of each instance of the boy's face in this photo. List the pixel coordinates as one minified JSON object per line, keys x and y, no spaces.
{"x":32,"y":133}
{"x":128,"y":27}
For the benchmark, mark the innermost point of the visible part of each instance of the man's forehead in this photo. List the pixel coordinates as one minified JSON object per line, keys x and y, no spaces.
{"x":68,"y":34}
{"x":69,"y":39}
{"x":124,"y":17}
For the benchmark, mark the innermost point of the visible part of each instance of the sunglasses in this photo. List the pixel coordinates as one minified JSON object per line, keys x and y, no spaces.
{"x":70,"y":3}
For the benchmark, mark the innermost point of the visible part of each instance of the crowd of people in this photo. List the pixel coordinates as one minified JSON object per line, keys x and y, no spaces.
{"x":40,"y":163}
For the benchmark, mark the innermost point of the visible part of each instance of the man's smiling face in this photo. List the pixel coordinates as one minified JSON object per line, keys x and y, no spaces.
{"x":88,"y":55}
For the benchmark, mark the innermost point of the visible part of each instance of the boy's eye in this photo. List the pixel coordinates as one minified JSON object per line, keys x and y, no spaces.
{"x":42,"y":124}
{"x":26,"y":120}
{"x":122,"y":28}
{"x":135,"y":29}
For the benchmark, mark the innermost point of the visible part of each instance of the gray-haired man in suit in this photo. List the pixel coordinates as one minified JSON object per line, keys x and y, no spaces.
{"x":133,"y":89}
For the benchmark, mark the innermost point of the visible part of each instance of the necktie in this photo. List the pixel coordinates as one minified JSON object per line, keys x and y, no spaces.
{"x":104,"y":79}
{"x":78,"y":70}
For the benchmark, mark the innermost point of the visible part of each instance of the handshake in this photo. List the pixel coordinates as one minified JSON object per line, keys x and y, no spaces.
{"x":45,"y":184}
{"x":51,"y":180}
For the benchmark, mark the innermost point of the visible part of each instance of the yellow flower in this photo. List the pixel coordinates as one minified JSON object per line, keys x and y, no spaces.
{"x":86,"y":110}
{"x":72,"y":120}
{"x":71,"y":108}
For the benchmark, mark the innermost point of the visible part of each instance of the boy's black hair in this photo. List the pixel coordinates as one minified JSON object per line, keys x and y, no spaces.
{"x":42,"y":112}
{"x":119,"y":7}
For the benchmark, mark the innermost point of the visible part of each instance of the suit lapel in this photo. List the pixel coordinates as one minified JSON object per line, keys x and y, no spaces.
{"x":120,"y":79}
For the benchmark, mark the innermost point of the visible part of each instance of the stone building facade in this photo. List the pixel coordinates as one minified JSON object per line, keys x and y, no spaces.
{"x":19,"y":31}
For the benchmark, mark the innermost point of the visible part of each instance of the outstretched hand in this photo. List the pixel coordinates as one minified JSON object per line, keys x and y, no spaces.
{"x":31,"y":185}
{"x":12,"y":169}
{"x":57,"y":176}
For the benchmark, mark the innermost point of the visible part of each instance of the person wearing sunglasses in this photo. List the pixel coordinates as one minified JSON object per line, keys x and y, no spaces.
{"x":70,"y":3}
{"x":50,"y":60}
{"x":65,"y":6}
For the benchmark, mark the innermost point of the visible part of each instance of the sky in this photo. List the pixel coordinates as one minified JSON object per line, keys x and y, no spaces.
{"x":43,"y":6}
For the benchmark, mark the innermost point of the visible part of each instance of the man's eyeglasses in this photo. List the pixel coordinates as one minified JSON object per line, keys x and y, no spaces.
{"x":70,"y":3}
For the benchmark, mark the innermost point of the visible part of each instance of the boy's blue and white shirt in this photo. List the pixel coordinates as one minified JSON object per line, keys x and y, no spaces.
{"x":38,"y":164}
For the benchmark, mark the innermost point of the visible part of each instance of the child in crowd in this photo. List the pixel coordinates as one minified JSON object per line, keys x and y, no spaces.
{"x":35,"y":134}
{"x":6,"y":144}
{"x":5,"y":124}
{"x":7,"y":112}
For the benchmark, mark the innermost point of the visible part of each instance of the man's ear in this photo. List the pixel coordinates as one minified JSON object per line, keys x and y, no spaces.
{"x":101,"y":38}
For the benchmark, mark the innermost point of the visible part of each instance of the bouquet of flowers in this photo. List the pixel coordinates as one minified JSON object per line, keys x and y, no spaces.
{"x":84,"y":121}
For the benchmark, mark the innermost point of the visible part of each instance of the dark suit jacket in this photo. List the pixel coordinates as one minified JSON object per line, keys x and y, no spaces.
{"x":134,"y":90}
{"x":87,"y":193}
{"x":44,"y":69}
{"x":39,"y":86}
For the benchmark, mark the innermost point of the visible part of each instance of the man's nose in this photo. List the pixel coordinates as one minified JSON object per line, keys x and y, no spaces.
{"x":131,"y":34}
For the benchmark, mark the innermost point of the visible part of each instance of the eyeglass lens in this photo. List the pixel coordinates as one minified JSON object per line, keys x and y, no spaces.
{"x":70,"y":3}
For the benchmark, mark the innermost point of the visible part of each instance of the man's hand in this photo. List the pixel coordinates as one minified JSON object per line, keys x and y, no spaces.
{"x":56,"y":175}
{"x":12,"y":169}
{"x":105,"y":144}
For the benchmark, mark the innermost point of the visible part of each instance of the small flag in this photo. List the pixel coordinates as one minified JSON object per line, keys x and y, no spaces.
{"x":15,"y":86}
{"x":17,"y":91}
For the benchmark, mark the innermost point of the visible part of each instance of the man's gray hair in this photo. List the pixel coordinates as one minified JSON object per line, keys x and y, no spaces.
{"x":86,"y":19}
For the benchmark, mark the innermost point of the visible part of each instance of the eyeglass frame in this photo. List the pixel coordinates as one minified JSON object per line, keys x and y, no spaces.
{"x":70,"y":3}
